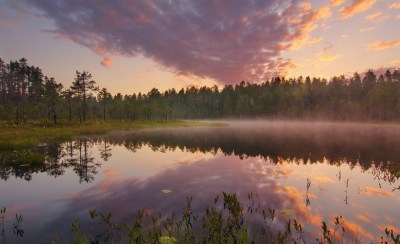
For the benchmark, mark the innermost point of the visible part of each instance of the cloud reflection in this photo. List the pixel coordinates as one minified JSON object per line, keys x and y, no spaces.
{"x":204,"y":179}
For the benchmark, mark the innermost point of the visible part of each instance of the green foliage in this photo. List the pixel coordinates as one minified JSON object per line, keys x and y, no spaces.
{"x":30,"y":95}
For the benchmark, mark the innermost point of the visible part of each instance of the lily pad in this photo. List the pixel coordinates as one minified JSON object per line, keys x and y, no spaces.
{"x":166,"y":191}
{"x":288,"y":212}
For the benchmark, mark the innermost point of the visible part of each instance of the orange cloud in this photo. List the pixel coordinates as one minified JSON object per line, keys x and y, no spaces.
{"x":381,"y":45}
{"x":394,"y":5}
{"x":309,"y":25}
{"x":372,"y":191}
{"x":297,"y":44}
{"x":324,"y":13}
{"x":110,"y":173}
{"x":324,"y":179}
{"x":356,"y":7}
{"x":307,"y":6}
{"x":336,"y":2}
{"x":363,"y":218}
{"x":374,"y":15}
{"x":356,"y":230}
{"x":106,"y":62}
{"x":398,"y":17}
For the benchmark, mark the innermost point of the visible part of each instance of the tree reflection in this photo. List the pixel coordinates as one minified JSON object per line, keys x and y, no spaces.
{"x":105,"y":149}
{"x":52,"y":159}
{"x":372,"y":148}
{"x":55,"y":165}
{"x":84,"y":165}
{"x":369,"y":146}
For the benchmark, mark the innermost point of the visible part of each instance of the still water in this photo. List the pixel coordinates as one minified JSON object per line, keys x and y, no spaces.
{"x":311,"y":172}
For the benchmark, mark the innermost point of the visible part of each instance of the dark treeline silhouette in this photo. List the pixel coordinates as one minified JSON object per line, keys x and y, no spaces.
{"x":26,"y":93}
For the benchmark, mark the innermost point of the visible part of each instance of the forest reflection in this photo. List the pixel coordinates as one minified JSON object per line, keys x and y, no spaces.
{"x":370,"y":146}
{"x":53,"y":159}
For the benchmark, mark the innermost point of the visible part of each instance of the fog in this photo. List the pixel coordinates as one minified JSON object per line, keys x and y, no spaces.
{"x":315,"y":141}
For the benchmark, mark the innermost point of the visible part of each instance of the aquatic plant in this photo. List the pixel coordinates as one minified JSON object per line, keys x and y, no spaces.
{"x":222,"y":222}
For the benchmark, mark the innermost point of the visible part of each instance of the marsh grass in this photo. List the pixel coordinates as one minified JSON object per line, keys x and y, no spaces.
{"x":222,"y":222}
{"x":29,"y":134}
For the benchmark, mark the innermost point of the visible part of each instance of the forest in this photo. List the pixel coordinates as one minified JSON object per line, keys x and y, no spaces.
{"x":28,"y":94}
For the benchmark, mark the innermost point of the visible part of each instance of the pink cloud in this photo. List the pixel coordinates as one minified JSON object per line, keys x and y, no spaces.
{"x":227,"y":42}
{"x":374,"y":15}
{"x":381,"y":45}
{"x":395,"y":5}
{"x":337,"y":2}
{"x":106,"y":62}
{"x":355,"y":7}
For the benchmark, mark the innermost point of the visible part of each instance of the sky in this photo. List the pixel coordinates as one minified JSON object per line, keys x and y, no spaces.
{"x":131,"y":46}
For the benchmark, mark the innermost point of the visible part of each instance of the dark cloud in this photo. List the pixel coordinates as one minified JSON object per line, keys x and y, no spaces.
{"x":239,"y":40}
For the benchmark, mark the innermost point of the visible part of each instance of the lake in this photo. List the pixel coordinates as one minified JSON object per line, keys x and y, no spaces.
{"x":308,"y":171}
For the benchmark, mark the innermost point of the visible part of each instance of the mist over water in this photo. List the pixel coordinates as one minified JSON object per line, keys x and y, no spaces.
{"x":307,"y":140}
{"x":353,"y":170}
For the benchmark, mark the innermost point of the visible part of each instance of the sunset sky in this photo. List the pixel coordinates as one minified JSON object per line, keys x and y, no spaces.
{"x":135,"y":45}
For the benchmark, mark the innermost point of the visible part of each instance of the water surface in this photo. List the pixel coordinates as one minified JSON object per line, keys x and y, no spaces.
{"x":352,"y":171}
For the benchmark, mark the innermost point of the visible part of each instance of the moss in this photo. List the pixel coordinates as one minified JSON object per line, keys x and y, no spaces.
{"x":30,"y":134}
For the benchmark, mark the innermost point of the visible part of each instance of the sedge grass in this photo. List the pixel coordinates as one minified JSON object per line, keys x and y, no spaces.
{"x":29,"y":134}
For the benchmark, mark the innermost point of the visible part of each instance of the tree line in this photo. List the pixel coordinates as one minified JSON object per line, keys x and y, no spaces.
{"x":27,"y":94}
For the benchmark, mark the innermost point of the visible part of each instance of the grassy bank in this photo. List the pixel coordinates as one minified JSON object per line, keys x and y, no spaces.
{"x":31,"y":133}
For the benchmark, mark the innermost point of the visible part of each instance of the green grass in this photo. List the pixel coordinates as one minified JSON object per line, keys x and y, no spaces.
{"x":31,"y":133}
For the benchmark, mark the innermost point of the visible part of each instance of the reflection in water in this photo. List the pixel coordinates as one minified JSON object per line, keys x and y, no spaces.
{"x":310,"y":172}
{"x":55,"y":159}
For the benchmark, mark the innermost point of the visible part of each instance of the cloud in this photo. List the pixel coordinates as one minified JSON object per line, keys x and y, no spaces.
{"x":106,"y":62}
{"x":381,"y":45}
{"x":398,"y":17}
{"x":356,"y":230}
{"x":335,"y":3}
{"x":374,"y":15}
{"x":394,"y":5}
{"x":366,"y":29}
{"x":363,"y":218}
{"x":372,"y":191}
{"x":355,"y":7}
{"x":324,"y":179}
{"x":202,"y":38}
{"x":306,"y":41}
